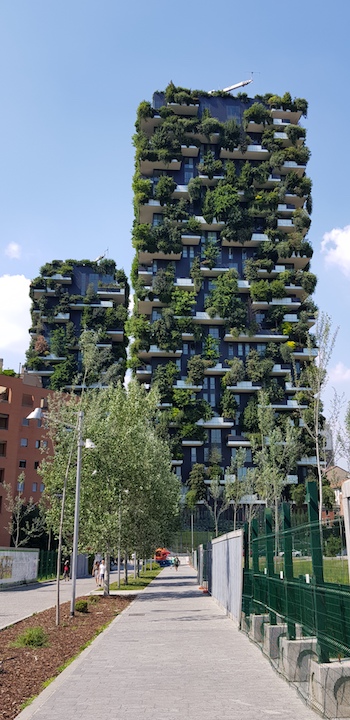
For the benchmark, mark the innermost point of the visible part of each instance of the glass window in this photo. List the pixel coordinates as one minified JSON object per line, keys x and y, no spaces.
{"x":205,"y":383}
{"x":230,"y":350}
{"x":185,"y":348}
{"x":193,"y":455}
{"x":157,"y":219}
{"x":36,"y":464}
{"x":34,"y":487}
{"x":154,"y":266}
{"x":24,"y":442}
{"x":37,"y":444}
{"x":178,"y":363}
{"x":206,"y":454}
{"x":4,"y":421}
{"x":178,"y":471}
{"x":212,"y":399}
{"x":240,"y":349}
{"x":214,"y":332}
{"x":191,"y":249}
{"x":261,"y":348}
{"x":25,"y":421}
{"x":2,"y":475}
{"x":42,"y":487}
{"x":27,"y":400}
{"x":3,"y":449}
{"x":215,"y":437}
{"x":22,"y":464}
{"x":20,"y":486}
{"x":44,"y":443}
{"x":247,"y":348}
{"x":185,"y":251}
{"x":248,"y":456}
{"x":212,"y":383}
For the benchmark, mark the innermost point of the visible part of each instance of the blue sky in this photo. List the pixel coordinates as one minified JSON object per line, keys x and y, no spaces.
{"x":71,"y":77}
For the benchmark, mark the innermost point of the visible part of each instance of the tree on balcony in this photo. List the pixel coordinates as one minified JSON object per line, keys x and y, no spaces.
{"x":164,"y":189}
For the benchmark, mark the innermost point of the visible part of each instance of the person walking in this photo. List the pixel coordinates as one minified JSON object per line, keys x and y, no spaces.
{"x":102,"y":570}
{"x":66,"y":570}
{"x":96,"y":571}
{"x":176,"y":562}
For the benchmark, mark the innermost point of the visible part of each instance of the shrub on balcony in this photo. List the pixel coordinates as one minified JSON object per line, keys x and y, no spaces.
{"x":211,"y":349}
{"x":236,"y":373}
{"x":164,"y":189}
{"x":260,"y":291}
{"x":144,"y":110}
{"x":295,"y":133}
{"x":163,"y":283}
{"x":258,"y":113}
{"x":196,"y":367}
{"x":164,"y":332}
{"x":300,"y":155}
{"x":182,"y":302}
{"x":193,"y":226}
{"x":277,"y":289}
{"x":142,"y":190}
{"x":143,"y":238}
{"x":163,"y":378}
{"x":210,"y":166}
{"x":245,"y":178}
{"x":301,"y":219}
{"x":208,"y":209}
{"x":230,"y":135}
{"x":220,"y":300}
{"x":211,"y":253}
{"x":229,"y":405}
{"x":64,"y":374}
{"x":41,"y":346}
{"x":208,"y":126}
{"x":269,"y":141}
{"x":195,"y":189}
{"x":250,"y":421}
{"x":196,"y":274}
{"x":167,"y":238}
{"x":258,"y":368}
{"x":226,"y":202}
{"x":178,"y":211}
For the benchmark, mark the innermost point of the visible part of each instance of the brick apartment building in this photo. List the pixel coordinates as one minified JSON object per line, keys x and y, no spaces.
{"x":20,"y":440}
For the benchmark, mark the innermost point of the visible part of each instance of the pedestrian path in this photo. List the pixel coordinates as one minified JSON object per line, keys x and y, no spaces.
{"x":172,"y":655}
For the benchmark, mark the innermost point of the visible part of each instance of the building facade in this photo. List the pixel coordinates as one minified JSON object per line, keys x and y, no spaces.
{"x":21,"y":442}
{"x":67,"y":297}
{"x":221,"y":273}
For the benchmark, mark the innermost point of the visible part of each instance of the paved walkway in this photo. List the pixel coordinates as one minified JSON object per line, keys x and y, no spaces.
{"x":172,"y":655}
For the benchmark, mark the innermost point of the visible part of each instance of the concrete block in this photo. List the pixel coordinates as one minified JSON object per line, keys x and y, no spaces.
{"x":330,"y":688}
{"x":272,"y":635}
{"x":245,"y":622}
{"x":256,"y":631}
{"x":295,"y":658}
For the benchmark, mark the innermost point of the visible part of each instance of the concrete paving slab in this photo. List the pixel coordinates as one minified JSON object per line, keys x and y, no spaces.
{"x":171,"y":655}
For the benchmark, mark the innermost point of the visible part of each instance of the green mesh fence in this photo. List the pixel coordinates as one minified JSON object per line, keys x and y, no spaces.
{"x":299,"y":575}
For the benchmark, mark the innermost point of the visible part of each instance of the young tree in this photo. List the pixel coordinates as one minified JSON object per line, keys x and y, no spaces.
{"x":27,"y":520}
{"x":235,"y":488}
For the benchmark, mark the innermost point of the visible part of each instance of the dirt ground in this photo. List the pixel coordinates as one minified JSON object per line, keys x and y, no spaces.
{"x":23,"y":670}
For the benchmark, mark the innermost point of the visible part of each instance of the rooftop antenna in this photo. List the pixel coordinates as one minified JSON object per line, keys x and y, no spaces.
{"x":234,"y":87}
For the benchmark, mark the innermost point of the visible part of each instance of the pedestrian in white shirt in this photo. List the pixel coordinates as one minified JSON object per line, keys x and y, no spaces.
{"x":102,"y":570}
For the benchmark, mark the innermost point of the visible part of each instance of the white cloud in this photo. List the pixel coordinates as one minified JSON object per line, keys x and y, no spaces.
{"x":339,"y":374}
{"x":14,"y":316}
{"x":336,"y":247}
{"x":13,"y":251}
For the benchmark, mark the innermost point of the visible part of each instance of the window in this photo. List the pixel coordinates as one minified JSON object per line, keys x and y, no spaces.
{"x":20,"y":486}
{"x":261,"y":348}
{"x":27,"y":400}
{"x":3,"y":449}
{"x":191,"y":250}
{"x":2,"y":475}
{"x":44,"y":443}
{"x":156,"y":315}
{"x":39,"y":423}
{"x":157,"y":219}
{"x":25,"y":421}
{"x":0,"y":504}
{"x":215,"y":437}
{"x":154,"y":266}
{"x":37,"y":444}
{"x":178,"y":471}
{"x":22,"y":464}
{"x":178,"y":364}
{"x":259,"y":317}
{"x":212,"y":383}
{"x":24,"y":442}
{"x":205,"y":383}
{"x":36,"y":464}
{"x":185,"y":348}
{"x":212,"y":399}
{"x":4,"y":421}
{"x":188,"y":170}
{"x":240,"y":349}
{"x":4,"y":394}
{"x":206,"y":454}
{"x":230,"y":351}
{"x":248,"y":456}
{"x":193,"y":455}
{"x":34,"y":487}
{"x":42,"y":487}
{"x":214,"y":332}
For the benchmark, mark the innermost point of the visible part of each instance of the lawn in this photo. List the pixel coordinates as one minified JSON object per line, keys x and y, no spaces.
{"x":138,"y":583}
{"x":335,"y":569}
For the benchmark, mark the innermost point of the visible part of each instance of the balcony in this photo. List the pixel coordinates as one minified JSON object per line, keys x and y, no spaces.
{"x":146,"y":306}
{"x":306,"y":354}
{"x":290,"y":388}
{"x":189,"y":150}
{"x":177,"y":463}
{"x":147,"y":257}
{"x":116,"y":335}
{"x":253,"y":152}
{"x":271,"y":181}
{"x":192,"y":443}
{"x":155,"y":351}
{"x":63,"y":279}
{"x":39,"y":292}
{"x":288,"y":405}
{"x":184,"y":284}
{"x":147,"y":166}
{"x":215,"y":422}
{"x":181,"y":191}
{"x":148,"y":125}
{"x":237,"y":441}
{"x":52,"y":359}
{"x":183,"y":109}
{"x":287,"y":208}
{"x":183,"y":385}
{"x":190,"y":239}
{"x":147,"y":210}
{"x":291,"y":318}
{"x":117,"y":295}
{"x":309,"y":461}
{"x":281,"y":369}
{"x":146,"y":273}
{"x":202,"y":318}
{"x":214,"y":225}
{"x":293,"y":304}
{"x":294,"y":200}
{"x":244,"y":386}
{"x":144,"y":373}
{"x":280,"y":135}
{"x":255,"y":127}
{"x":217,"y":369}
{"x":299,"y":261}
{"x":43,"y":373}
{"x":260,"y":336}
{"x":209,"y":182}
{"x":290,"y":165}
{"x":61,"y":317}
{"x":286,"y":116}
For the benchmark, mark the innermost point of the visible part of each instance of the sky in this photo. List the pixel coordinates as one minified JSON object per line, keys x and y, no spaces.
{"x":72,"y":75}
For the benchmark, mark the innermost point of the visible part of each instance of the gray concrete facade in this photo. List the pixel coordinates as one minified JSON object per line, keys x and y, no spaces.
{"x":172,"y":655}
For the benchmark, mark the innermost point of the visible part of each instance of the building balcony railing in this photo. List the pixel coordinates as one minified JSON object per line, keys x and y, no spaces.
{"x":305,"y":354}
{"x":63,"y":279}
{"x":309,"y":461}
{"x":215,"y":422}
{"x":41,"y":373}
{"x":145,"y":257}
{"x":184,"y":283}
{"x":51,"y":358}
{"x":147,"y":210}
{"x":181,"y":191}
{"x":189,"y":150}
{"x":192,"y":443}
{"x":117,"y":295}
{"x":190,"y":239}
{"x":183,"y":385}
{"x":288,"y":405}
{"x":155,"y":351}
{"x":217,"y":369}
{"x":214,"y":225}
{"x":290,"y":317}
{"x":183,"y":109}
{"x":262,"y":335}
{"x":287,"y":208}
{"x":291,"y":388}
{"x":203,"y":318}
{"x":147,"y":166}
{"x":244,"y":386}
{"x":144,"y":373}
{"x":208,"y":181}
{"x":291,"y":165}
{"x":253,"y":152}
{"x":117,"y":335}
{"x":281,"y":369}
{"x":286,"y":116}
{"x":237,"y":441}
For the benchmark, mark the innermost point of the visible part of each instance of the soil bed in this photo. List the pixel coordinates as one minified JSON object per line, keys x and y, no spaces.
{"x":23,"y":670}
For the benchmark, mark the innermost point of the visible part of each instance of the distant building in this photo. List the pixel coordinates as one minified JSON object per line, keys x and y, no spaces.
{"x":69,"y":296}
{"x":21,"y":441}
{"x":336,"y":476}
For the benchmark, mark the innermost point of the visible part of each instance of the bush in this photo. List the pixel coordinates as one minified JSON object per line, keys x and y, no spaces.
{"x":32,"y":637}
{"x":81,"y":606}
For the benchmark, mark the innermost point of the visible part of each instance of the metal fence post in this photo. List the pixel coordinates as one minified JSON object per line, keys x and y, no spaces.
{"x":255,"y":546}
{"x":288,"y":571}
{"x":269,"y":563}
{"x":317,"y":569}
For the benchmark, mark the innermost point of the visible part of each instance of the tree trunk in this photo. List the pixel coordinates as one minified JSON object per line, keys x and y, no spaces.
{"x":126,"y":568}
{"x":106,"y":582}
